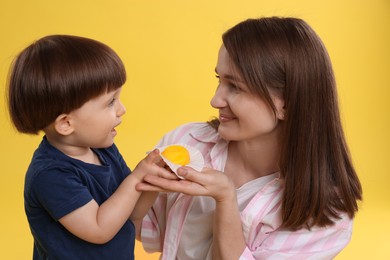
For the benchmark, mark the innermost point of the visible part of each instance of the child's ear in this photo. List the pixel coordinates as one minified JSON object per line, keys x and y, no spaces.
{"x":63,"y":125}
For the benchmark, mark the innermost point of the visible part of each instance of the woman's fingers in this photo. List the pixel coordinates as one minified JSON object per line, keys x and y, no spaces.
{"x":167,"y":174}
{"x":144,"y":186}
{"x":192,"y":175}
{"x":209,"y":182}
{"x":184,"y":186}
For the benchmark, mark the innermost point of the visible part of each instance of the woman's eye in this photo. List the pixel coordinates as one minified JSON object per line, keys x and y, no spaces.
{"x":231,"y":85}
{"x":234,"y":87}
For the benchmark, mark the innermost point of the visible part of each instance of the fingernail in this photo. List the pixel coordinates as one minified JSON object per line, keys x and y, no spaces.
{"x":182,"y":171}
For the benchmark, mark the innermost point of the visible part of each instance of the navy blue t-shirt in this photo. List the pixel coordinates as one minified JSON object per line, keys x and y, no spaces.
{"x":56,"y":185}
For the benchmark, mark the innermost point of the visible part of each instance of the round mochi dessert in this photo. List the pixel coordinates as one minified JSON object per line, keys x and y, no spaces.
{"x":177,"y":155}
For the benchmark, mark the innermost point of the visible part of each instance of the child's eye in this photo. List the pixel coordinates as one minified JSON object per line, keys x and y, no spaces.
{"x":112,"y":102}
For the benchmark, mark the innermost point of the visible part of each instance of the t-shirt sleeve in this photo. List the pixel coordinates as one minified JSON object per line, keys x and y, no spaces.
{"x":60,"y":191}
{"x":116,"y":155}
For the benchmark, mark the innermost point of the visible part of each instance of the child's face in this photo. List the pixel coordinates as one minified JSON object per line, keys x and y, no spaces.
{"x":94,"y":123}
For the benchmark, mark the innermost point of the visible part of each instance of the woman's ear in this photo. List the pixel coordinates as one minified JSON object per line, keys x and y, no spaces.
{"x":63,"y":125}
{"x":280,"y":109}
{"x":281,"y":113}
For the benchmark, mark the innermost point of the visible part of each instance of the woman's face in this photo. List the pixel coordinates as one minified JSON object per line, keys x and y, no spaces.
{"x":242,"y":115}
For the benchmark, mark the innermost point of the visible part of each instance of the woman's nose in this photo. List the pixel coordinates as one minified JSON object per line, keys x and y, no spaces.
{"x":219,"y":99}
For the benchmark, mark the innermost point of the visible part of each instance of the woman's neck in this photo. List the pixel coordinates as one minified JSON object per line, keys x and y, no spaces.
{"x":250,"y":160}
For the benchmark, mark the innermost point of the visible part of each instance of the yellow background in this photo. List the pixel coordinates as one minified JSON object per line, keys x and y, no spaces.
{"x":169,"y":48}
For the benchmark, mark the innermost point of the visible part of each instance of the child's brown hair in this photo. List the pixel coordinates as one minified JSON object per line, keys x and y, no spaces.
{"x":58,"y":74}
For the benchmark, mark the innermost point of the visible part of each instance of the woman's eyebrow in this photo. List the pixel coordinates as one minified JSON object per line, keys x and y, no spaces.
{"x":230,"y":77}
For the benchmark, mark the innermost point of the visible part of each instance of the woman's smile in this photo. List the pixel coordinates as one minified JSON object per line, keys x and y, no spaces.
{"x":226,"y":117}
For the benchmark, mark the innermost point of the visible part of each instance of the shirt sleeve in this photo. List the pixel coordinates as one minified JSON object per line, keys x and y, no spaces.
{"x":60,"y":191}
{"x":317,"y":243}
{"x":116,"y":156}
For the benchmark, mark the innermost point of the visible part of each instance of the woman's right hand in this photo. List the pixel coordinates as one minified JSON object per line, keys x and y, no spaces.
{"x":209,"y":182}
{"x":228,"y":238}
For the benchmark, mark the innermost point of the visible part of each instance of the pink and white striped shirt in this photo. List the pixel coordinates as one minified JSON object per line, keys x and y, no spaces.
{"x":261,"y":218}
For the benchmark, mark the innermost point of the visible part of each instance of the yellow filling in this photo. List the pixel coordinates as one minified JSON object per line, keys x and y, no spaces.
{"x":177,"y":154}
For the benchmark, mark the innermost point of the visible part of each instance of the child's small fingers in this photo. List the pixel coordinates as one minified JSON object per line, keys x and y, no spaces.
{"x":154,"y":156}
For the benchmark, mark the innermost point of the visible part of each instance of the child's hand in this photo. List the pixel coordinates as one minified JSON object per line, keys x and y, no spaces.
{"x":153,"y":164}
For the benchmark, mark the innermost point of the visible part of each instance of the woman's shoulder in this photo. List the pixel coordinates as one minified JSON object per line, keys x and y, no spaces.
{"x":266,"y":201}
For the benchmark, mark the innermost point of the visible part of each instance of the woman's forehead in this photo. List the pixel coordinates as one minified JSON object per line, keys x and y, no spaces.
{"x":225,"y":67}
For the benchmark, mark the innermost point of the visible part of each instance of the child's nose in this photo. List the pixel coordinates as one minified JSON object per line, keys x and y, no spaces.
{"x":121,"y":109}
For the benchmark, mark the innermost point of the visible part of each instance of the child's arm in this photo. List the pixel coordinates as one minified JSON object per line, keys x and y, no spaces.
{"x":99,"y":224}
{"x":141,"y":209}
{"x":146,"y":201}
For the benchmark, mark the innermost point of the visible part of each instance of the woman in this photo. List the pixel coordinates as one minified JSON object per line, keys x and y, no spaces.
{"x":278,"y":181}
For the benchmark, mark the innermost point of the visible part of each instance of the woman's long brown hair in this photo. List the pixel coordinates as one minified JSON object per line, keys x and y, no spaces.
{"x":285,"y":56}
